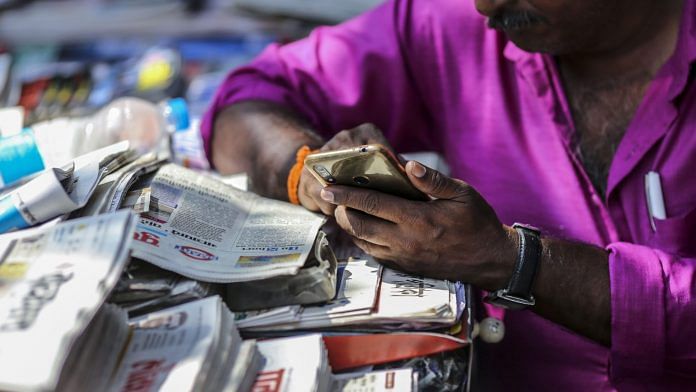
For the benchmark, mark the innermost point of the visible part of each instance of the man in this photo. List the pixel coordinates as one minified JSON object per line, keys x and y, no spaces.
{"x":550,"y":113}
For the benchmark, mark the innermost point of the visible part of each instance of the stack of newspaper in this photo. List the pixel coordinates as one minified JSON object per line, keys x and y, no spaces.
{"x":53,"y":282}
{"x":295,"y":364}
{"x":369,"y":298}
{"x":189,"y":347}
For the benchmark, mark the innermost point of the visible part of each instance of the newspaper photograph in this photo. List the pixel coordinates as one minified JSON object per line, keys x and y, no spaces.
{"x":206,"y":230}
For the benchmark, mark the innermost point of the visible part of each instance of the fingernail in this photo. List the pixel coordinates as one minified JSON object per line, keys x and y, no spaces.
{"x":327,"y":195}
{"x":417,"y":169}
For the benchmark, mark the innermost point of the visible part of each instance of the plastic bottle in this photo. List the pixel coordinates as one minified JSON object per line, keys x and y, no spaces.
{"x":146,"y":125}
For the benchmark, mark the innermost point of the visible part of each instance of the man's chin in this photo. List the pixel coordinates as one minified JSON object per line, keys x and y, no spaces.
{"x":534,"y":43}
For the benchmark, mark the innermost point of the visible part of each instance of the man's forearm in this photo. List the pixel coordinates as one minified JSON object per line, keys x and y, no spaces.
{"x":572,"y":288}
{"x":260,"y":138}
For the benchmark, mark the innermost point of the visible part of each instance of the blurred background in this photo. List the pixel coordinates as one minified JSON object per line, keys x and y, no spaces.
{"x":67,"y":58}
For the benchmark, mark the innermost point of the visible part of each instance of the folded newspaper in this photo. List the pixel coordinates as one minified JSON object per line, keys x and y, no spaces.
{"x":369,"y":298}
{"x":294,"y":364}
{"x":206,"y":230}
{"x":58,"y":191}
{"x":52,"y":283}
{"x":314,"y":283}
{"x":189,"y":347}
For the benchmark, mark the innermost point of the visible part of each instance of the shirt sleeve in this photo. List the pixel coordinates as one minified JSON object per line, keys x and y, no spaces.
{"x":337,"y":78}
{"x":653,"y":300}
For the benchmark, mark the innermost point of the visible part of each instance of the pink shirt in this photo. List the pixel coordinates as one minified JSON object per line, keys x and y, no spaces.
{"x":433,"y":77}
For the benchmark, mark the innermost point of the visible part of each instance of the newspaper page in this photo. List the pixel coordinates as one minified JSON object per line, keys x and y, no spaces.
{"x":416,"y":299}
{"x":206,"y":230}
{"x":56,"y":191}
{"x":395,"y":380}
{"x":357,"y":293}
{"x":294,"y":364}
{"x":51,"y":284}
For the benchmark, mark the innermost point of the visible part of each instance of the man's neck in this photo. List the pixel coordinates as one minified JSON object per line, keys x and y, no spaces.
{"x":643,"y":50}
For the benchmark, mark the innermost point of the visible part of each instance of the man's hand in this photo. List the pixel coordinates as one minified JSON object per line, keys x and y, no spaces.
{"x":457,"y":236}
{"x":309,"y":188}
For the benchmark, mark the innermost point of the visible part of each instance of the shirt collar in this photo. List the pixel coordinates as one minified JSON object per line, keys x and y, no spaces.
{"x":678,"y":67}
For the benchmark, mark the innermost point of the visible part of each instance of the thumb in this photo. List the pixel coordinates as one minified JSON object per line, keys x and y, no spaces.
{"x":434,"y":183}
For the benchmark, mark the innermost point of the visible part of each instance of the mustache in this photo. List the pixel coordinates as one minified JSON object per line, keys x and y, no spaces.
{"x":514,"y":20}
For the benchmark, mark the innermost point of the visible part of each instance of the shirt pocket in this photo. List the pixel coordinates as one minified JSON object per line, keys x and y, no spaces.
{"x":677,"y":235}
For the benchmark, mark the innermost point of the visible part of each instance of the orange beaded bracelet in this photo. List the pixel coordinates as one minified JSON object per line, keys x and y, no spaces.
{"x":296,"y":173}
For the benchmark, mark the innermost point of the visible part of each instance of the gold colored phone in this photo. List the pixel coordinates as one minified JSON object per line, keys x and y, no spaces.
{"x":370,"y":166}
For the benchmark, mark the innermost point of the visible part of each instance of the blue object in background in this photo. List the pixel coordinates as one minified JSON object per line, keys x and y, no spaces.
{"x":10,"y":217}
{"x":19,"y":157}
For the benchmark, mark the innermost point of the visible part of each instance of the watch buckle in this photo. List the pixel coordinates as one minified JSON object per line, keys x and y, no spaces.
{"x":503,"y":299}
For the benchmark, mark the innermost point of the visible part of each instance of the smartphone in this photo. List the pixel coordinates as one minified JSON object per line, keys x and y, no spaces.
{"x":370,"y":166}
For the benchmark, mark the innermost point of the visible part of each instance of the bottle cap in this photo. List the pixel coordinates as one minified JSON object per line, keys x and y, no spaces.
{"x":179,"y":113}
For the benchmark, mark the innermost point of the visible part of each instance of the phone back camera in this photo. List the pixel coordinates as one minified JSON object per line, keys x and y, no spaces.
{"x":321,"y":170}
{"x":361,"y":180}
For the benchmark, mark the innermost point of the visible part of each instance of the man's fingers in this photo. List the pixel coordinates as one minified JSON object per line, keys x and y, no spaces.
{"x":308,"y":194}
{"x":362,"y":134}
{"x":381,"y":205}
{"x":436,"y":184}
{"x":374,"y":250}
{"x":363,"y":226}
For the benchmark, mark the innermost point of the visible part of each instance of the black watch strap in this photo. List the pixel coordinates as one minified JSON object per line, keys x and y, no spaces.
{"x":518,"y":293}
{"x":529,"y":253}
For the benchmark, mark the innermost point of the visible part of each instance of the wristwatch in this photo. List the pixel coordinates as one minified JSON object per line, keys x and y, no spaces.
{"x":518,"y":293}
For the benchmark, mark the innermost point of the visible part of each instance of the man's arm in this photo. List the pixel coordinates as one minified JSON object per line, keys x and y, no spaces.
{"x":572,"y":288}
{"x":337,"y":78}
{"x":261,"y":139}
